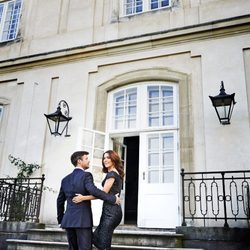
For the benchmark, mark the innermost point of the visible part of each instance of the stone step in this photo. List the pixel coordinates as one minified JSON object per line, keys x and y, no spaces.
{"x":52,"y":235}
{"x":122,"y":236}
{"x":48,"y":245}
{"x":15,"y":244}
{"x":148,"y":238}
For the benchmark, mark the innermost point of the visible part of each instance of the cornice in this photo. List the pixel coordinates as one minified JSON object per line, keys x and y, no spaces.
{"x":204,"y":31}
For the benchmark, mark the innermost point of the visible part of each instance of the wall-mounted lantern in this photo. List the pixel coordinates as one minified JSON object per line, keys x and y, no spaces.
{"x":58,"y":121}
{"x":223,"y":104}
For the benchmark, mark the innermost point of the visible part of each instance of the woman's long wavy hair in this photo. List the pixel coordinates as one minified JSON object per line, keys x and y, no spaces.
{"x":116,"y":160}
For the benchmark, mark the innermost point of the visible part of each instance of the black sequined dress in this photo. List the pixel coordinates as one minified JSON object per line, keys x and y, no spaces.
{"x":111,"y":216}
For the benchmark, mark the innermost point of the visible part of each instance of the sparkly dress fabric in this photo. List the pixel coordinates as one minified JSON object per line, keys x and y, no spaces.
{"x":111,"y":216}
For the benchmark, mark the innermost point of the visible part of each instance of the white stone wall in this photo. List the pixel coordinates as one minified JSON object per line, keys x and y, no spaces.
{"x":32,"y":86}
{"x":53,"y":25}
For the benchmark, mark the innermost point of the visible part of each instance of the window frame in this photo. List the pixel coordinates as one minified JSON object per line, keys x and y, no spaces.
{"x":14,"y":25}
{"x":142,"y":113}
{"x":146,"y":7}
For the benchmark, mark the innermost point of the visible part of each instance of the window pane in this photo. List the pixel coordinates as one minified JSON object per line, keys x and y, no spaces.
{"x":138,"y":6}
{"x":167,"y":106}
{"x":131,"y":123}
{"x":154,"y":107}
{"x":1,"y":12}
{"x":153,"y":92}
{"x":153,"y":159}
{"x":168,"y":141}
{"x":153,"y":176}
{"x":168,"y":176}
{"x":119,"y":111}
{"x":167,"y":120}
{"x":153,"y":143}
{"x":119,"y":124}
{"x":131,"y":110}
{"x":131,"y":96}
{"x":153,"y":121}
{"x":156,"y":4}
{"x":119,"y":96}
{"x":88,"y":138}
{"x":99,"y":141}
{"x":167,"y":91}
{"x":168,"y":159}
{"x":164,"y":3}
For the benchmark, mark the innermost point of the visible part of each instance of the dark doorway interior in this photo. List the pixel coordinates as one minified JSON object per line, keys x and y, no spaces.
{"x":131,"y":185}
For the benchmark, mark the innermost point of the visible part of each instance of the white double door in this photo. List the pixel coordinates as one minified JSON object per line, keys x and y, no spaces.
{"x":158,"y":192}
{"x":158,"y":195}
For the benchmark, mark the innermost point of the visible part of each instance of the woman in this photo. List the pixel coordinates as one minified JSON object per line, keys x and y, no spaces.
{"x":111,"y":214}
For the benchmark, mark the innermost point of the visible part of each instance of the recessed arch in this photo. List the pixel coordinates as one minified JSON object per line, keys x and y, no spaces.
{"x":148,"y":74}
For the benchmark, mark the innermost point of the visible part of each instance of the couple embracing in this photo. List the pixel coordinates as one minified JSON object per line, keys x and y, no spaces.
{"x":78,"y":190}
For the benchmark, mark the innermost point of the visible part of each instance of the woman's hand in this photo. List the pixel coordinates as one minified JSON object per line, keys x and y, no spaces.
{"x":78,"y":198}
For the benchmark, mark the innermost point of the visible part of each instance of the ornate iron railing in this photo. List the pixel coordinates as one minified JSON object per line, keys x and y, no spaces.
{"x":20,"y":199}
{"x":217,"y":196}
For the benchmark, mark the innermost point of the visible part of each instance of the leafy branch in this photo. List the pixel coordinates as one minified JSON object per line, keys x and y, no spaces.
{"x":24,"y":170}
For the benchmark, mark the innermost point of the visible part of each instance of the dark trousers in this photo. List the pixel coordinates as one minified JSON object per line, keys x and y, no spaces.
{"x":79,"y":238}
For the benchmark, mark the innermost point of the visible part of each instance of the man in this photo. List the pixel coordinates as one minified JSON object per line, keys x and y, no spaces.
{"x":77,"y":219}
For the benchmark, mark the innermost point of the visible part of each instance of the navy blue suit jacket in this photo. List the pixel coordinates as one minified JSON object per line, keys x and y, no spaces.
{"x":78,"y":215}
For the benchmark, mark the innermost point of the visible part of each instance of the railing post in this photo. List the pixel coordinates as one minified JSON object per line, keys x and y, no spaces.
{"x":40,"y":198}
{"x":183,"y":202}
{"x":224,"y":199}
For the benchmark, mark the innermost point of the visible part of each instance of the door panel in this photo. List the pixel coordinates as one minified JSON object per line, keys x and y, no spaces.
{"x":94,"y":142}
{"x":158,"y":180}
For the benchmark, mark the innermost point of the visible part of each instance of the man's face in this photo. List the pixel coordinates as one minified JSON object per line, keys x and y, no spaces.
{"x":84,"y":162}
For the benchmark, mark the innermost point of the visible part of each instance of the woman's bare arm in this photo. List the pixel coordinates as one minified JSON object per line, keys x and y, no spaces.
{"x":108,"y":184}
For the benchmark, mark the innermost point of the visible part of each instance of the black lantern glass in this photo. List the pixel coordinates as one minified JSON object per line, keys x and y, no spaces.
{"x":58,"y":121}
{"x":223,"y":104}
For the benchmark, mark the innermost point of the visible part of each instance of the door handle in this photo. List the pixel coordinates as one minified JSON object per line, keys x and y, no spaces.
{"x":143,"y":175}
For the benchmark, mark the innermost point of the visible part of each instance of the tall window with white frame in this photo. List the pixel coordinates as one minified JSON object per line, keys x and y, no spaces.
{"x":10,"y":12}
{"x":132,"y":7}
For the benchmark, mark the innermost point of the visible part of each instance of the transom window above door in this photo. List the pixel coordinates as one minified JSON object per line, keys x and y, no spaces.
{"x":124,"y":109}
{"x":152,"y":105}
{"x":160,"y":106}
{"x":131,"y":7}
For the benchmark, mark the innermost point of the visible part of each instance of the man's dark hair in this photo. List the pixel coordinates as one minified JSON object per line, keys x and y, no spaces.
{"x":76,"y":156}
